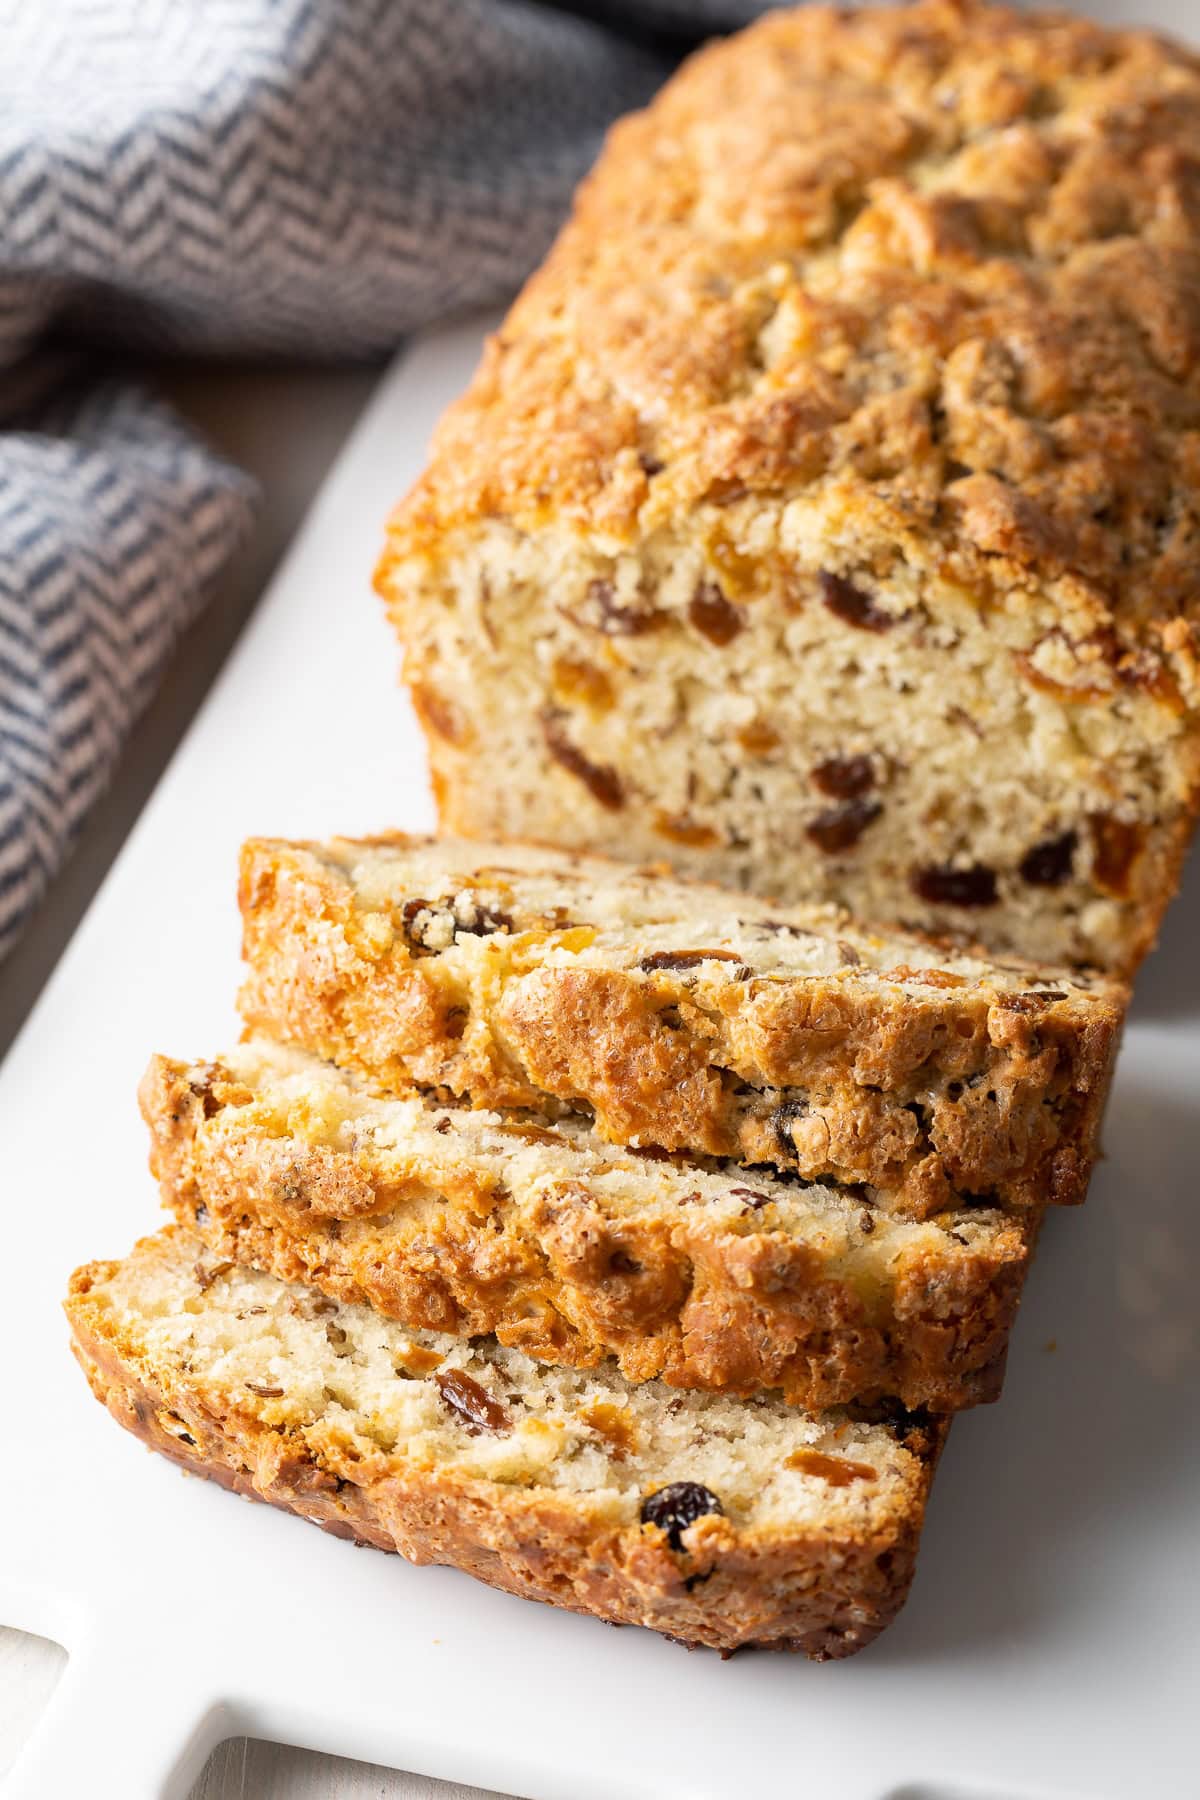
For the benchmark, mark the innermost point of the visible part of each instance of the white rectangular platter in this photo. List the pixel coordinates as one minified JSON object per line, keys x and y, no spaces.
{"x":1049,"y":1651}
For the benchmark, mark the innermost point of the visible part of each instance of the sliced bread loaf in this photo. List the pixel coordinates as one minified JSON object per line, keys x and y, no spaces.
{"x":715,"y":1521}
{"x":682,"y":1016}
{"x":709,"y":1275}
{"x":825,"y":515}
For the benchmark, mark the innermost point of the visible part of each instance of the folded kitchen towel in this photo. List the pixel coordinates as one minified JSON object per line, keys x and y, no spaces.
{"x":294,"y":178}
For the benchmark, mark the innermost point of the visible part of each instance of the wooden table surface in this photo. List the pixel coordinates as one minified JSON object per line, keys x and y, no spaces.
{"x":285,"y":426}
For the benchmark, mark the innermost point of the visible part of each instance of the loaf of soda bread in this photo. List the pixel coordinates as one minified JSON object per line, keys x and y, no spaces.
{"x":571,"y":1250}
{"x":715,"y":1521}
{"x":682,"y":1017}
{"x":825,"y":517}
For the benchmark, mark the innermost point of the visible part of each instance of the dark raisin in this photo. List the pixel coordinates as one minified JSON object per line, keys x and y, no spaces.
{"x":844,"y":777}
{"x":905,"y":1421}
{"x":607,"y":615}
{"x":866,"y":1222}
{"x":443,"y":1125}
{"x":474,"y":1406}
{"x":785,"y":1117}
{"x":754,"y":1200}
{"x":603,"y":783}
{"x":780,"y":927}
{"x":424,"y":922}
{"x":650,"y":1152}
{"x":684,"y":959}
{"x":946,"y":886}
{"x":713,"y":615}
{"x":848,"y":954}
{"x":955,"y":470}
{"x":620,"y":1263}
{"x":200,"y":1212}
{"x":840,"y":827}
{"x":471,"y":916}
{"x":675,"y":1507}
{"x":1051,"y":862}
{"x":650,"y":465}
{"x":1029,"y":1003}
{"x":851,"y":605}
{"x":410,"y":913}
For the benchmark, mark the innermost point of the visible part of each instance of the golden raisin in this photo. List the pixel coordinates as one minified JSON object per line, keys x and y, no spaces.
{"x":579,"y":683}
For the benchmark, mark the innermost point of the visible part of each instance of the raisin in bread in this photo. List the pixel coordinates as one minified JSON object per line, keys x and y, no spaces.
{"x":826,"y":514}
{"x":716,"y":1521}
{"x":570,"y":1250}
{"x":682,"y":1016}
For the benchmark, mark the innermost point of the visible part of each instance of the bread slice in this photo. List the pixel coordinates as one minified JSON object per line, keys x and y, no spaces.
{"x":715,"y":1521}
{"x":571,"y":1250}
{"x":823,"y":517}
{"x":682,"y":1016}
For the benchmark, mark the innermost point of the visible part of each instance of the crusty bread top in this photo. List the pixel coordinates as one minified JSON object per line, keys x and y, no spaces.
{"x":935,"y":269}
{"x":681,"y":1015}
{"x":367,"y":1398}
{"x":710,"y":1275}
{"x":385,"y":1160}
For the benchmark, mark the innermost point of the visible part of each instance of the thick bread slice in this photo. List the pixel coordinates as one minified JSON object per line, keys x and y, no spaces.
{"x":571,"y":1250}
{"x":544,"y":1482}
{"x":682,"y":1016}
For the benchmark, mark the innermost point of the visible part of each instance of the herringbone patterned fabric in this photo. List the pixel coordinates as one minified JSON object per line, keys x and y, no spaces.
{"x":304,"y":178}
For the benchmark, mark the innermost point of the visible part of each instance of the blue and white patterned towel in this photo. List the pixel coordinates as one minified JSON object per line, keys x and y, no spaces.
{"x":306,"y":178}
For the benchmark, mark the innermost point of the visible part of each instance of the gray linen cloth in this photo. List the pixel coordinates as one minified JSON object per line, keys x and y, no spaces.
{"x":291,"y":178}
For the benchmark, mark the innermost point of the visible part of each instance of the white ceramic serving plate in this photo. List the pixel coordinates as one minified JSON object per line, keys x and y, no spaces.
{"x":1049,"y":1651}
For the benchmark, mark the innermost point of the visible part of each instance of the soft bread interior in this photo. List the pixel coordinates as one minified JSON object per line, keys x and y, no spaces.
{"x":369,"y":1398}
{"x":607,"y":914}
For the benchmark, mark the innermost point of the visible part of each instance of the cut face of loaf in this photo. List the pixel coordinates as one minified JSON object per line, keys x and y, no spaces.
{"x":682,"y":1017}
{"x":716,"y":1521}
{"x":825,"y":517}
{"x":568,"y":1249}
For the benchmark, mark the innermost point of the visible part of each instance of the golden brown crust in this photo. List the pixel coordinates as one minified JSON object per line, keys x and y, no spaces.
{"x":825,"y":1594}
{"x":941,"y":259}
{"x":949,"y":1092}
{"x":855,"y":413}
{"x":681,"y":1293}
